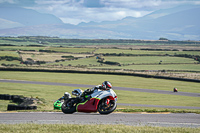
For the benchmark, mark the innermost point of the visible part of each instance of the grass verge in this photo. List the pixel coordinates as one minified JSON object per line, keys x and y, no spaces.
{"x":69,"y":128}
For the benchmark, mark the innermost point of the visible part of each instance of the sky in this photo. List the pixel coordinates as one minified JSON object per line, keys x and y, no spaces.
{"x":77,"y":11}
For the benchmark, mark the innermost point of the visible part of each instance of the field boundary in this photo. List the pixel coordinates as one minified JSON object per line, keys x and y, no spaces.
{"x":107,"y":72}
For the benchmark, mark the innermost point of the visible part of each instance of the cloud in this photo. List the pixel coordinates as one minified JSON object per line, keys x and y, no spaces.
{"x":76,"y":11}
{"x":93,"y":3}
{"x":19,"y":2}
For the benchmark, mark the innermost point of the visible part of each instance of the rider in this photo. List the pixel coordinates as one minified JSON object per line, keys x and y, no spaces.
{"x":105,"y":86}
{"x":65,"y":97}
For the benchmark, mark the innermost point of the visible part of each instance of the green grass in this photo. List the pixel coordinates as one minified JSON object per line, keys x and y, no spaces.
{"x":148,"y":59}
{"x":17,"y":43}
{"x":71,"y":50}
{"x":80,"y":62}
{"x":73,"y":128}
{"x":15,"y":62}
{"x":14,"y":48}
{"x":48,"y":57}
{"x":184,"y":67}
{"x":132,"y":109}
{"x":4,"y":104}
{"x":168,"y":62}
{"x":95,"y":79}
{"x":146,"y":52}
{"x":49,"y":93}
{"x":9,"y":53}
{"x":52,"y":93}
{"x":156,"y":99}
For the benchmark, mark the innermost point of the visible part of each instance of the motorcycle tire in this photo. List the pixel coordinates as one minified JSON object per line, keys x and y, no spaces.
{"x":104,"y":109}
{"x":69,"y":107}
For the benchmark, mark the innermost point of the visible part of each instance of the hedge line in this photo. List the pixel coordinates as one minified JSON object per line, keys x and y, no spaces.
{"x":10,"y":58}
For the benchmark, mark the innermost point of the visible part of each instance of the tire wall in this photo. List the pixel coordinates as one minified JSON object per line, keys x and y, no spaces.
{"x":20,"y":100}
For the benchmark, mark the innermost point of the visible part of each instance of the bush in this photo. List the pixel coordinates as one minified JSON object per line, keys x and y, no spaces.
{"x":10,"y":58}
{"x":3,"y":64}
{"x":69,"y":57}
{"x":111,"y":63}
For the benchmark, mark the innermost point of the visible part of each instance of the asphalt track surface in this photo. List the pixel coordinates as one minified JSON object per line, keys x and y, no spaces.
{"x":118,"y":88}
{"x":133,"y":119}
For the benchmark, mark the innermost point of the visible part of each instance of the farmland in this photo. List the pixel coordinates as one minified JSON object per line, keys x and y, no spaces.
{"x":178,"y":59}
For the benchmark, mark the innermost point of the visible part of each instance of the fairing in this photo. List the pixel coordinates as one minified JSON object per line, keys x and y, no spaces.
{"x":92,"y":104}
{"x":88,"y":106}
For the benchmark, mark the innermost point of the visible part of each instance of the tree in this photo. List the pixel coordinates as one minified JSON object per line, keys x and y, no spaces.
{"x":162,"y":38}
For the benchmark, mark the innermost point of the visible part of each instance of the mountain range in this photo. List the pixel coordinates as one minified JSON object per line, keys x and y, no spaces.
{"x":179,"y":23}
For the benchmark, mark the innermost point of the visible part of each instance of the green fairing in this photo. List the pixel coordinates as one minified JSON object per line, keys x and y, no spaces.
{"x":58,"y":104}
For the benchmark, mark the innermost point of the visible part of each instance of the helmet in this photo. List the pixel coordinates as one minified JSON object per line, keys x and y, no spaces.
{"x":77,"y":92}
{"x":66,"y":96}
{"x":107,"y":84}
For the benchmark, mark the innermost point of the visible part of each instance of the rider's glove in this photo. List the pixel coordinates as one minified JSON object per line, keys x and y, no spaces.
{"x":102,"y":87}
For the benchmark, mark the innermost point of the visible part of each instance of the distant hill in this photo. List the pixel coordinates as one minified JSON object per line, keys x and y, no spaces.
{"x":26,"y":17}
{"x":181,"y":23}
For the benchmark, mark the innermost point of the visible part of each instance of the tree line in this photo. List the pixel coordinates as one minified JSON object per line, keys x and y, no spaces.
{"x":46,"y":40}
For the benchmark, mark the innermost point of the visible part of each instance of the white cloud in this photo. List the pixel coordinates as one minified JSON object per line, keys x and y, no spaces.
{"x":76,"y":11}
{"x":197,"y":3}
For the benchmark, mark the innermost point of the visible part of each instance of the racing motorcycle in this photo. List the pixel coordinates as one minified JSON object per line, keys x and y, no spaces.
{"x":58,"y":103}
{"x":101,"y":100}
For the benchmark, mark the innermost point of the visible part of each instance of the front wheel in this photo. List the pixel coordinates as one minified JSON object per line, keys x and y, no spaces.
{"x":69,"y":106}
{"x":106,"y":106}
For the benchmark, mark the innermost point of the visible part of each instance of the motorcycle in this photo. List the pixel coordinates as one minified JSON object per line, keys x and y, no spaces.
{"x":103,"y":101}
{"x":58,"y":104}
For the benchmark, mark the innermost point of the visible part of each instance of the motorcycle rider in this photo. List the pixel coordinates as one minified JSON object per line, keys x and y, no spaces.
{"x":105,"y":86}
{"x":65,"y":97}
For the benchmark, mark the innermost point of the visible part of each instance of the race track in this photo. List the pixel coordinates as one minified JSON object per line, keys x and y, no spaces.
{"x":134,"y":119}
{"x":119,"y":88}
{"x":115,"y":88}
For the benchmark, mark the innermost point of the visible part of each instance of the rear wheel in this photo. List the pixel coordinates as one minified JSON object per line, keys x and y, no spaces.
{"x":106,"y":106}
{"x":69,"y":106}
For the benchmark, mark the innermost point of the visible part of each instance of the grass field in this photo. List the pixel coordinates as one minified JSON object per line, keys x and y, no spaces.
{"x":146,"y":52}
{"x":128,"y":63}
{"x":9,"y":53}
{"x":149,"y":60}
{"x":14,"y":48}
{"x":69,"y":128}
{"x":14,"y":62}
{"x":52,"y":93}
{"x":17,"y":43}
{"x":184,"y":67}
{"x":93,"y":79}
{"x":71,"y":50}
{"x":48,"y":57}
{"x":80,"y":62}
